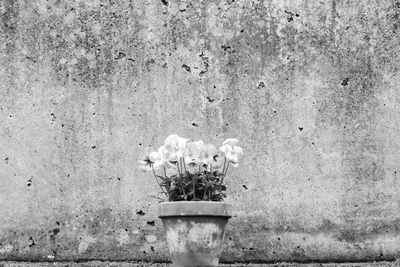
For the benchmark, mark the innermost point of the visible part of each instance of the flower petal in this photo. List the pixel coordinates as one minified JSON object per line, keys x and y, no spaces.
{"x":143,"y":162}
{"x":171,"y":141}
{"x":169,"y":165}
{"x":182,"y":142}
{"x":231,"y":141}
{"x":154,"y":156}
{"x":234,"y":164}
{"x":194,"y":149}
{"x":173,"y":156}
{"x":234,"y":158}
{"x":226,"y":149}
{"x":238,"y":151}
{"x":157,"y":165}
{"x":145,"y":168}
{"x":162,"y":151}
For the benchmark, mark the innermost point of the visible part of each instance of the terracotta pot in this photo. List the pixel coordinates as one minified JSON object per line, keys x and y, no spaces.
{"x":195,"y":231}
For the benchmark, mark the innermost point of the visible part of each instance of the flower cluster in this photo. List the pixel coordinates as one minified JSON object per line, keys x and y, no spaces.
{"x":200,"y":168}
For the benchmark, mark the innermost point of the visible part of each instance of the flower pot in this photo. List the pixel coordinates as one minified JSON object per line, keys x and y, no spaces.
{"x":195,"y":231}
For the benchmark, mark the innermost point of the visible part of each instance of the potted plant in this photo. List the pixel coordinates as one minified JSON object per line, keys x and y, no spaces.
{"x":191,"y":178}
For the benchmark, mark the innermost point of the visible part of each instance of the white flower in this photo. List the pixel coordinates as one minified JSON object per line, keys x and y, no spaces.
{"x":231,"y":151}
{"x":174,"y":147}
{"x":193,"y":152}
{"x":208,"y":154}
{"x":152,"y":161}
{"x":218,"y":162}
{"x":165,"y":155}
{"x":157,"y":160}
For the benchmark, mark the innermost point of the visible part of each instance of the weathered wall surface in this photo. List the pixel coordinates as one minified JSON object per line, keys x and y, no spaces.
{"x":311,"y":89}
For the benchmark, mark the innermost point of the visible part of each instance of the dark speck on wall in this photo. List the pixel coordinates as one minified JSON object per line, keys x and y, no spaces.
{"x":186,"y":67}
{"x":291,"y":14}
{"x":151,"y":223}
{"x":226,"y":48}
{"x":53,"y":117}
{"x":345,"y":82}
{"x":55,"y":231}
{"x":31,"y":242}
{"x":119,"y":56}
{"x":195,"y":124}
{"x":140,"y":212}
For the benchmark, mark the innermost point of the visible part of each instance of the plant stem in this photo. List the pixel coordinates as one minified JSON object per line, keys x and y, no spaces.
{"x":223,"y":169}
{"x":177,"y":165}
{"x":205,"y":191}
{"x":184,"y":164}
{"x":194,"y":187}
{"x":180,"y":179}
{"x":226,"y":170}
{"x":155,"y":176}
{"x":165,"y":177}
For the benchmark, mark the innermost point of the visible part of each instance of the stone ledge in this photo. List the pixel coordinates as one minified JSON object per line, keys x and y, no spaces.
{"x":147,"y":264}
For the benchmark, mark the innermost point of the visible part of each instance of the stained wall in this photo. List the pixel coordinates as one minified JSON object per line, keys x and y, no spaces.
{"x":310,"y":88}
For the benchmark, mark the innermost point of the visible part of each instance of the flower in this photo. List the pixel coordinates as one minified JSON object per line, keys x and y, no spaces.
{"x":193,"y":152}
{"x":157,"y":159}
{"x":218,"y":162}
{"x":231,"y":151}
{"x":191,"y":171}
{"x":208,"y":153}
{"x":145,"y":164}
{"x":174,"y":147}
{"x":165,"y":155}
{"x":152,"y":161}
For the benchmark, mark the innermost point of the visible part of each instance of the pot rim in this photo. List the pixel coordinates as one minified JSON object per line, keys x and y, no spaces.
{"x":195,"y":209}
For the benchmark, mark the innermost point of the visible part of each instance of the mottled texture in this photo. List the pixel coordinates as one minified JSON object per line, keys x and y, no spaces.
{"x":145,"y":264}
{"x":310,"y":88}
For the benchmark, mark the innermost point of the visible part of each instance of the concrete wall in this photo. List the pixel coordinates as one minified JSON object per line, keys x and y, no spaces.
{"x":311,"y":89}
